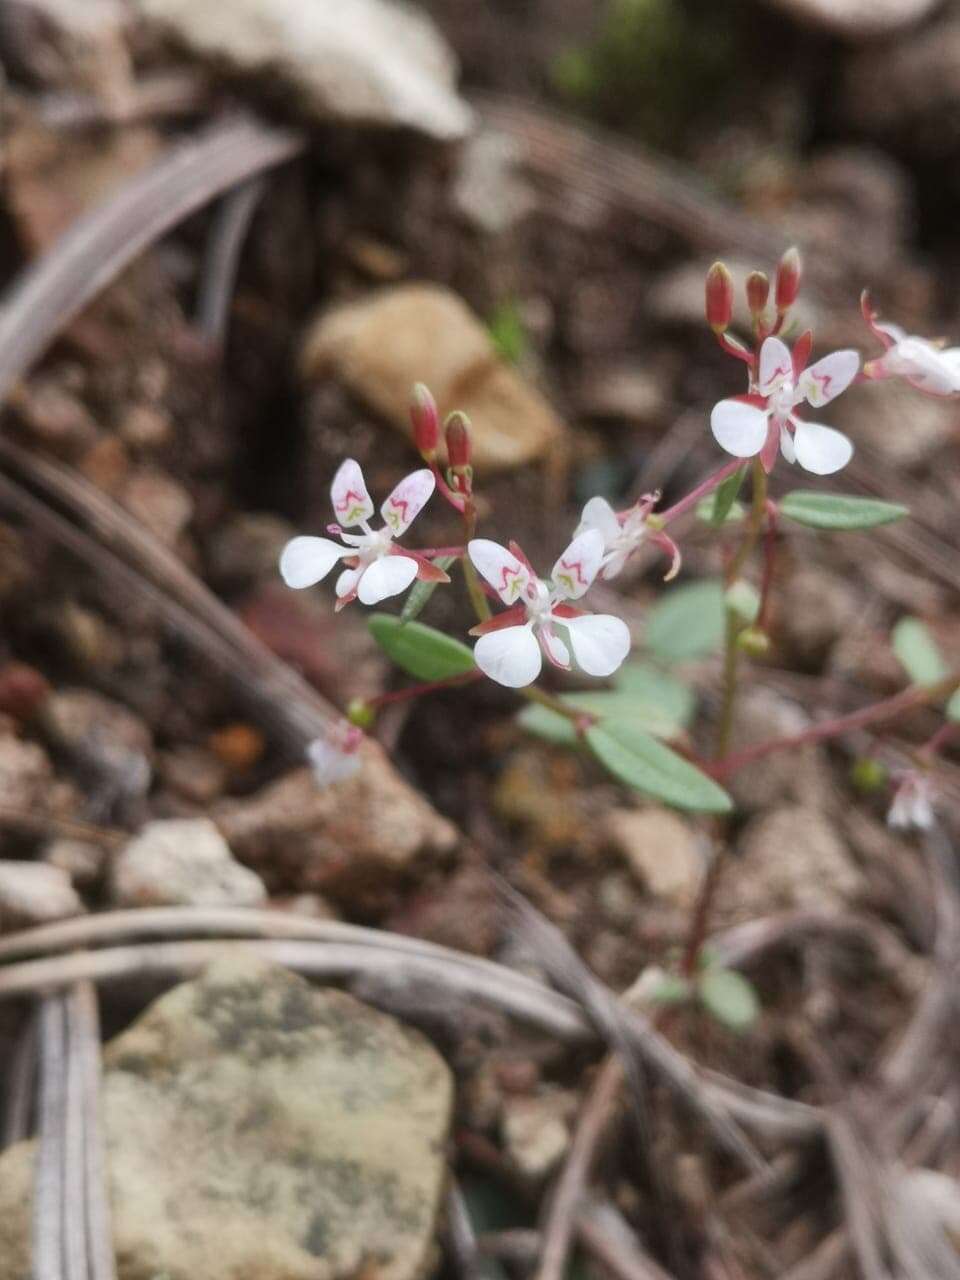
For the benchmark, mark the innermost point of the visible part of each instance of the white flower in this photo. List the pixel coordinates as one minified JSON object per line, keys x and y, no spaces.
{"x":764,"y":420}
{"x":375,"y":568}
{"x":624,"y":532}
{"x":912,"y":805}
{"x":508,"y":650}
{"x":922,"y":363}
{"x":334,"y":757}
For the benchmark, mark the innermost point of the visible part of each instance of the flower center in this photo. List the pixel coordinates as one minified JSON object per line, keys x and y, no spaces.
{"x":782,"y":400}
{"x":538,"y":601}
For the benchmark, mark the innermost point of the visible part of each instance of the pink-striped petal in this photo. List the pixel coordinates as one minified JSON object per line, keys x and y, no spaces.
{"x":600,"y":642}
{"x":824,"y":381}
{"x":407,"y":501}
{"x":739,"y":427}
{"x":511,"y":657}
{"x":348,"y":493}
{"x":776,"y":364}
{"x":305,"y":561}
{"x":386,"y":577}
{"x":577,"y":567}
{"x":500,"y":567}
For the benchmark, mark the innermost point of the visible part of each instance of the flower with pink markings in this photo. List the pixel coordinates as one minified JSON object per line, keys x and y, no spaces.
{"x":624,"y":532}
{"x":764,"y":421}
{"x":335,"y":756}
{"x":509,"y":648}
{"x":375,"y":568}
{"x":913,"y":802}
{"x":926,"y":365}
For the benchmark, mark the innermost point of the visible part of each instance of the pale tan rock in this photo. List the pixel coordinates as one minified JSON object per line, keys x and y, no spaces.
{"x":25,"y":774}
{"x":662,"y":850}
{"x":789,"y":858}
{"x":33,"y":893}
{"x":358,"y":61}
{"x":257,"y":1127}
{"x":362,"y":831}
{"x":536,"y":1132}
{"x":379,"y":347}
{"x":182,"y":862}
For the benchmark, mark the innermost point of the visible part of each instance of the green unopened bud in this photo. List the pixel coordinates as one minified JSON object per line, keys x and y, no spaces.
{"x":743,"y":600}
{"x":754,"y":642}
{"x":869,"y":775}
{"x":361,"y":713}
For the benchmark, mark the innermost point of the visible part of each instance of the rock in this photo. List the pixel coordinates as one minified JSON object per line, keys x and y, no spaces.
{"x":460,"y":913}
{"x":33,"y":893}
{"x":379,"y":347}
{"x":662,"y":850}
{"x":364,"y":62}
{"x":109,"y":745}
{"x":182,"y":862}
{"x":623,"y":392}
{"x":799,"y":776}
{"x":489,"y":189}
{"x":856,"y":19}
{"x":25,"y":774}
{"x":791,"y":857}
{"x":160,"y":503}
{"x":535,"y":1132}
{"x":258,"y":1127}
{"x":904,"y":427}
{"x":356,"y":836}
{"x":193,"y":773}
{"x":816,"y":608}
{"x":81,"y":860}
{"x":908,"y":89}
{"x":247,"y":548}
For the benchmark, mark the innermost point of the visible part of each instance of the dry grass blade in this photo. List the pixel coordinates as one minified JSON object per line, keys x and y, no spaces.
{"x":226,"y":239}
{"x":461,"y":1238}
{"x":605,"y":1232}
{"x":84,"y":1035}
{"x":48,"y":1192}
{"x":54,"y":290}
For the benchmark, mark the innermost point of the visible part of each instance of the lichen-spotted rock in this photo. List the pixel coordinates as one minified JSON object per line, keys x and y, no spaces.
{"x":258,"y":1127}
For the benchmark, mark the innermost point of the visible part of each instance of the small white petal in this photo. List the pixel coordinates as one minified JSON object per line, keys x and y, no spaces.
{"x":407,"y":501}
{"x":598,"y":514}
{"x":775,"y":365}
{"x":511,"y":656}
{"x":786,"y":445}
{"x":347,"y":581}
{"x":614,"y":565}
{"x":305,"y":561}
{"x":824,"y":381}
{"x":739,"y":428}
{"x":926,"y":366}
{"x":330,"y":763}
{"x":386,"y":577}
{"x":821,"y":449}
{"x":553,"y":647}
{"x":508,"y":576}
{"x":600,"y":642}
{"x":577,"y":567}
{"x":893,"y":331}
{"x":348,"y":493}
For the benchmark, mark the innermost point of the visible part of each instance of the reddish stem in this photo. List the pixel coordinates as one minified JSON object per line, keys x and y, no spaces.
{"x":888,"y":709}
{"x":456,"y":500}
{"x":418,"y":690}
{"x":432,"y":553}
{"x":701,"y":491}
{"x":769,"y":566}
{"x":734,"y":349}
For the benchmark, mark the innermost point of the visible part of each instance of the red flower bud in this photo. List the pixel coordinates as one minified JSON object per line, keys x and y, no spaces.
{"x":719,"y":297}
{"x":426,"y":422}
{"x":457,"y":429}
{"x":788,"y":279}
{"x":758,"y":291}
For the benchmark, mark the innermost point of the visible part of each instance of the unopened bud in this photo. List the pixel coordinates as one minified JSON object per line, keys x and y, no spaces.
{"x":869,"y":775}
{"x":360,"y":713}
{"x":426,"y":422}
{"x":743,"y":600}
{"x":788,"y":280}
{"x":754,"y":642}
{"x":460,"y":472}
{"x":719,"y":297}
{"x":758,"y":291}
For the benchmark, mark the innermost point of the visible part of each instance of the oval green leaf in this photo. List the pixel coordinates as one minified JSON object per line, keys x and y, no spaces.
{"x":721,"y":505}
{"x":917,"y":650}
{"x":645,"y":764}
{"x":644,"y":695}
{"x":688,"y":622}
{"x":729,"y":997}
{"x":839,"y":511}
{"x":420,"y":650}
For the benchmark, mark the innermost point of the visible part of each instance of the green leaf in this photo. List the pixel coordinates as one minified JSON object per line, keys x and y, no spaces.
{"x":952,"y":709}
{"x":421,"y":592}
{"x":839,"y":511}
{"x":643,"y":695}
{"x":688,"y":622}
{"x":729,"y":997}
{"x":645,"y":764}
{"x":721,"y":505}
{"x":670,"y":988}
{"x":917,"y":650}
{"x":420,"y":650}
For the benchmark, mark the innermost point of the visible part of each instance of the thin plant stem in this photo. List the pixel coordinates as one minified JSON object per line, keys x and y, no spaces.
{"x":418,"y":690}
{"x":582,"y":720}
{"x":705,"y":487}
{"x":479,"y":601}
